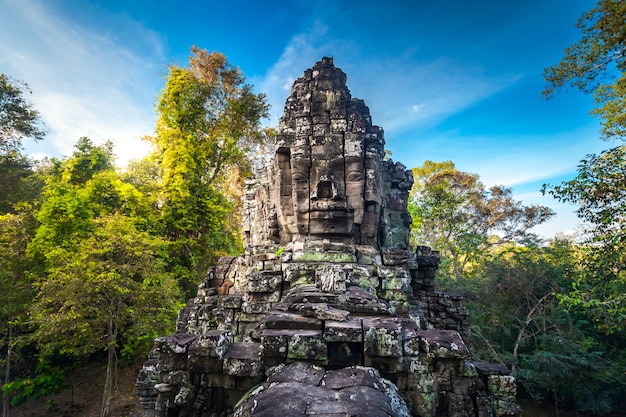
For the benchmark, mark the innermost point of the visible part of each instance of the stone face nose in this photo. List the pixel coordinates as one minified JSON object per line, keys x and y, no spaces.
{"x":326,"y":189}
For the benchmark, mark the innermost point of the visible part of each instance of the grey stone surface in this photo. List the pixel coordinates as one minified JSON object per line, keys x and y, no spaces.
{"x":328,"y":303}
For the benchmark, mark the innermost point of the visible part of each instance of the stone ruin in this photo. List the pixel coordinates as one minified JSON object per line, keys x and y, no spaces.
{"x":328,"y":312}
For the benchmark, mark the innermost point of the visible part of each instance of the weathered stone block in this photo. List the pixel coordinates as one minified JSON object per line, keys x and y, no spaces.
{"x":256,"y":307}
{"x":212,"y":343}
{"x":443,"y":344}
{"x":382,"y":337}
{"x":172,"y":351}
{"x":264,"y":282}
{"x":199,"y":363}
{"x":274,"y":343}
{"x":291,"y":321}
{"x":331,"y":278}
{"x":343,"y":331}
{"x":243,"y":359}
{"x":333,"y":257}
{"x":308,"y":345}
{"x":320,"y":311}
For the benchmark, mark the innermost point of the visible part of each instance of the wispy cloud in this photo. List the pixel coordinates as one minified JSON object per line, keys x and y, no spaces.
{"x":401,"y":89}
{"x":84,"y":83}
{"x":540,"y":159}
{"x":302,"y":51}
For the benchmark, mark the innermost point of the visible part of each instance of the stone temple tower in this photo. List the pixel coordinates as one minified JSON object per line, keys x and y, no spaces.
{"x":329,"y":311}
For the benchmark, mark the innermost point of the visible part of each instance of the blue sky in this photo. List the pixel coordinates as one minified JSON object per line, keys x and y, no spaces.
{"x":447,"y":80}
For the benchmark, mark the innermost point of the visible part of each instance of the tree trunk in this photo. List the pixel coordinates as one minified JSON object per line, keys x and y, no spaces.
{"x":108,"y":384}
{"x":522,"y":330}
{"x":7,"y":373}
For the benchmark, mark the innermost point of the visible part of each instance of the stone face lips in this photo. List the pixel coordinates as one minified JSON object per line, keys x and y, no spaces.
{"x":328,"y":311}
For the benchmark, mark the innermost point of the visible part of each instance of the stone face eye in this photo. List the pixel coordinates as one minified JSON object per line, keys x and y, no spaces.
{"x":355,"y":176}
{"x":299,"y":177}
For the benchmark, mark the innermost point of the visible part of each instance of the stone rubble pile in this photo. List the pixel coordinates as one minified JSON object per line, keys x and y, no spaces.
{"x":328,"y":312}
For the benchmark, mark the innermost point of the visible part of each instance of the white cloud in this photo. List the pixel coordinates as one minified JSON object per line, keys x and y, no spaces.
{"x":389,"y":84}
{"x":532,"y":159}
{"x":416,"y":108}
{"x":302,"y":51}
{"x":84,"y":82}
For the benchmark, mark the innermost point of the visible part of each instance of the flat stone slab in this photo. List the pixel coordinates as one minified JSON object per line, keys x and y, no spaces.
{"x":290,"y":321}
{"x":244,"y":350}
{"x":350,"y":377}
{"x":303,"y":372}
{"x":438,"y":344}
{"x":320,"y":311}
{"x":485,"y":368}
{"x":343,"y":331}
{"x":177,"y":339}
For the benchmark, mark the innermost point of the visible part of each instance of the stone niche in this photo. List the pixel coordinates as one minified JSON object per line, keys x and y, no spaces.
{"x":329,"y":311}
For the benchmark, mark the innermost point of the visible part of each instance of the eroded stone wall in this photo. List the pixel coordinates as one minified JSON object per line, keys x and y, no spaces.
{"x":327,"y":283}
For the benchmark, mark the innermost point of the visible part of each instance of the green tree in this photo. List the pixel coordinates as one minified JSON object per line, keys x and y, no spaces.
{"x":110,"y":287}
{"x":18,"y":118}
{"x":518,"y":320}
{"x":15,"y":285}
{"x":18,"y":121}
{"x":209,"y":119}
{"x":599,"y":190}
{"x":596,"y":64}
{"x":68,"y":205}
{"x":454,"y":213}
{"x":18,"y":184}
{"x":103,"y":285}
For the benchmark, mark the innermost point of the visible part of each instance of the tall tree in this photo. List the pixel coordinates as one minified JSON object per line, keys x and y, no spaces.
{"x":18,"y":121}
{"x":599,"y":190}
{"x":209,"y":119}
{"x":103,"y":283}
{"x":454,"y":213}
{"x":596,"y":64}
{"x":16,"y":287}
{"x":18,"y":118}
{"x":111,"y":286}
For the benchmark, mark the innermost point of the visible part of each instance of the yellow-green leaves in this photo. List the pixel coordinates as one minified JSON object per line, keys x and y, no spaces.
{"x":208,"y":122}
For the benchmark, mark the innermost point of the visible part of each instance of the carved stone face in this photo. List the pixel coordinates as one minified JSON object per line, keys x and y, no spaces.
{"x":324,"y":198}
{"x":329,"y":162}
{"x":329,"y":181}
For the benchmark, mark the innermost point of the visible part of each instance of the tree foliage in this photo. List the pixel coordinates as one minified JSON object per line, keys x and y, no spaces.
{"x":518,"y":320}
{"x":596,"y":64}
{"x":454,"y":213}
{"x":18,"y":118}
{"x":16,"y":286}
{"x":599,"y":190}
{"x":209,"y":119}
{"x":103,"y":284}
